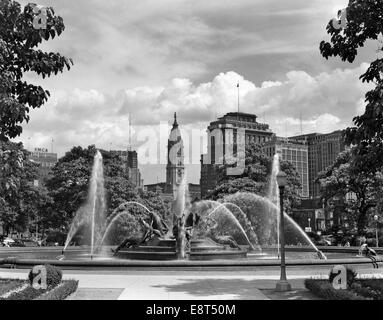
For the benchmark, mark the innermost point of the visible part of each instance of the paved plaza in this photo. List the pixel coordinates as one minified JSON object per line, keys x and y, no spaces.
{"x":218,"y":284}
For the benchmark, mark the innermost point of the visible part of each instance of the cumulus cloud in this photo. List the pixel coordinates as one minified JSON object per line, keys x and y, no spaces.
{"x":315,"y":103}
{"x":146,"y":60}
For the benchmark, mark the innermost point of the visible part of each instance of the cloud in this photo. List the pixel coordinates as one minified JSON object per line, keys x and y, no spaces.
{"x":149,"y":59}
{"x":117,"y":44}
{"x":315,"y":103}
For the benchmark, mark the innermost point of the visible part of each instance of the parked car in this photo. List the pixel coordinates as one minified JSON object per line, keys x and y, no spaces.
{"x":17,"y":243}
{"x":7,"y":242}
{"x":30,"y":243}
{"x":331,"y":240}
{"x":323,"y":242}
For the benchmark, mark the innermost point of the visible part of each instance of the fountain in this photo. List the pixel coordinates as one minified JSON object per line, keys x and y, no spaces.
{"x":273,"y":196}
{"x":245,"y":218}
{"x":180,"y":244}
{"x":92,"y":213}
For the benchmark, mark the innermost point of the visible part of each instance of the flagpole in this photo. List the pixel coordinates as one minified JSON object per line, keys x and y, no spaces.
{"x":238,"y":98}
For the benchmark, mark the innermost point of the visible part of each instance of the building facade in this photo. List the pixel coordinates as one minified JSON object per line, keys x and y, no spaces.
{"x":323,"y":150}
{"x":46,"y":160}
{"x":223,"y":139}
{"x":295,"y":152}
{"x":129,"y":157}
{"x":175,"y":168}
{"x":132,"y":169}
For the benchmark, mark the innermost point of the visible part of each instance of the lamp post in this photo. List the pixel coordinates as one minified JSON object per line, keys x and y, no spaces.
{"x":376,"y":218}
{"x":282,"y":284}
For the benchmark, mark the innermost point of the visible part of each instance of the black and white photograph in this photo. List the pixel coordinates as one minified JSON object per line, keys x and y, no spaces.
{"x":191,"y":155}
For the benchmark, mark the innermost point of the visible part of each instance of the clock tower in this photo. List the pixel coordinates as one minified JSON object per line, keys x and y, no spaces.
{"x":175,"y":168}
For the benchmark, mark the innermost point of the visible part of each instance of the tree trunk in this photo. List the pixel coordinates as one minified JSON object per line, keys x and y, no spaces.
{"x":362,"y":220}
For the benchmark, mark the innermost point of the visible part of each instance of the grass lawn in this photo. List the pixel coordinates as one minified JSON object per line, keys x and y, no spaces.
{"x":7,"y":285}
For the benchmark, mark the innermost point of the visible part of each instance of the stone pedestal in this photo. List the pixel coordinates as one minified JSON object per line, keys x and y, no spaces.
{"x":283,"y":286}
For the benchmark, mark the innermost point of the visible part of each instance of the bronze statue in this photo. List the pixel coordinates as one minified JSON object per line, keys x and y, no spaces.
{"x":136,"y":241}
{"x":226,"y":240}
{"x":158,"y":224}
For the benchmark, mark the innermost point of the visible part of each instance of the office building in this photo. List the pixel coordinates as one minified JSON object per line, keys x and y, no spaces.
{"x":323,"y":150}
{"x":46,"y":161}
{"x":223,"y":134}
{"x":295,"y":152}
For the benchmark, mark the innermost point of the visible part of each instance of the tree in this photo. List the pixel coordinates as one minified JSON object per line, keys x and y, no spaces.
{"x":344,"y":178}
{"x":68,"y":186}
{"x":257,"y":166}
{"x":69,"y":182}
{"x":256,"y":178}
{"x":364,"y":22}
{"x":293,"y":187}
{"x":20,"y":200}
{"x":19,"y":54}
{"x":236,"y":185}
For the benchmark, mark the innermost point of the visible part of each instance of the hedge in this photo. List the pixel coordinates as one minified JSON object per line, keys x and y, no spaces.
{"x":56,"y":288}
{"x":61,"y":292}
{"x":371,"y":288}
{"x":29,"y":293}
{"x":54,"y":275}
{"x":325,"y":290}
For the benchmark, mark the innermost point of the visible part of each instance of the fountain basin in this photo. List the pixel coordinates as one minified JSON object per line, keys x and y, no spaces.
{"x":165,"y":249}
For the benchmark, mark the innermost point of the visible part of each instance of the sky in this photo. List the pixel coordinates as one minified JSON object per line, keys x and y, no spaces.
{"x":139,"y":62}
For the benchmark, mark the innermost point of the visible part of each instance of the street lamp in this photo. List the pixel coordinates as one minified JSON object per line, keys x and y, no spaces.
{"x":376,"y":218}
{"x":282,"y":284}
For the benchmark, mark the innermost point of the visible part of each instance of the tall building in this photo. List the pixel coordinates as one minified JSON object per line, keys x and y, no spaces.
{"x":46,"y":160}
{"x":129,"y":157}
{"x":175,"y":168}
{"x":132,"y":168}
{"x":132,"y":159}
{"x":223,"y":133}
{"x":295,"y":152}
{"x":323,"y":149}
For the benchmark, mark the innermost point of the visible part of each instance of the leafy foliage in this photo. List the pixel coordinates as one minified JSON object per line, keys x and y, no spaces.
{"x":364,"y":22}
{"x":69,"y":183}
{"x":20,"y":201}
{"x":54,"y":275}
{"x":255,"y":178}
{"x":19,"y":54}
{"x":323,"y":289}
{"x":344,"y":178}
{"x":61,"y":292}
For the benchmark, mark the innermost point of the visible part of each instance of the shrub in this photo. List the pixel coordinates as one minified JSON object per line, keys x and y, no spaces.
{"x":366,"y":291}
{"x":54,"y":275}
{"x":324,"y":289}
{"x":56,"y":236}
{"x":61,"y":292}
{"x":351,"y":275}
{"x":7,"y":285}
{"x":29,"y":293}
